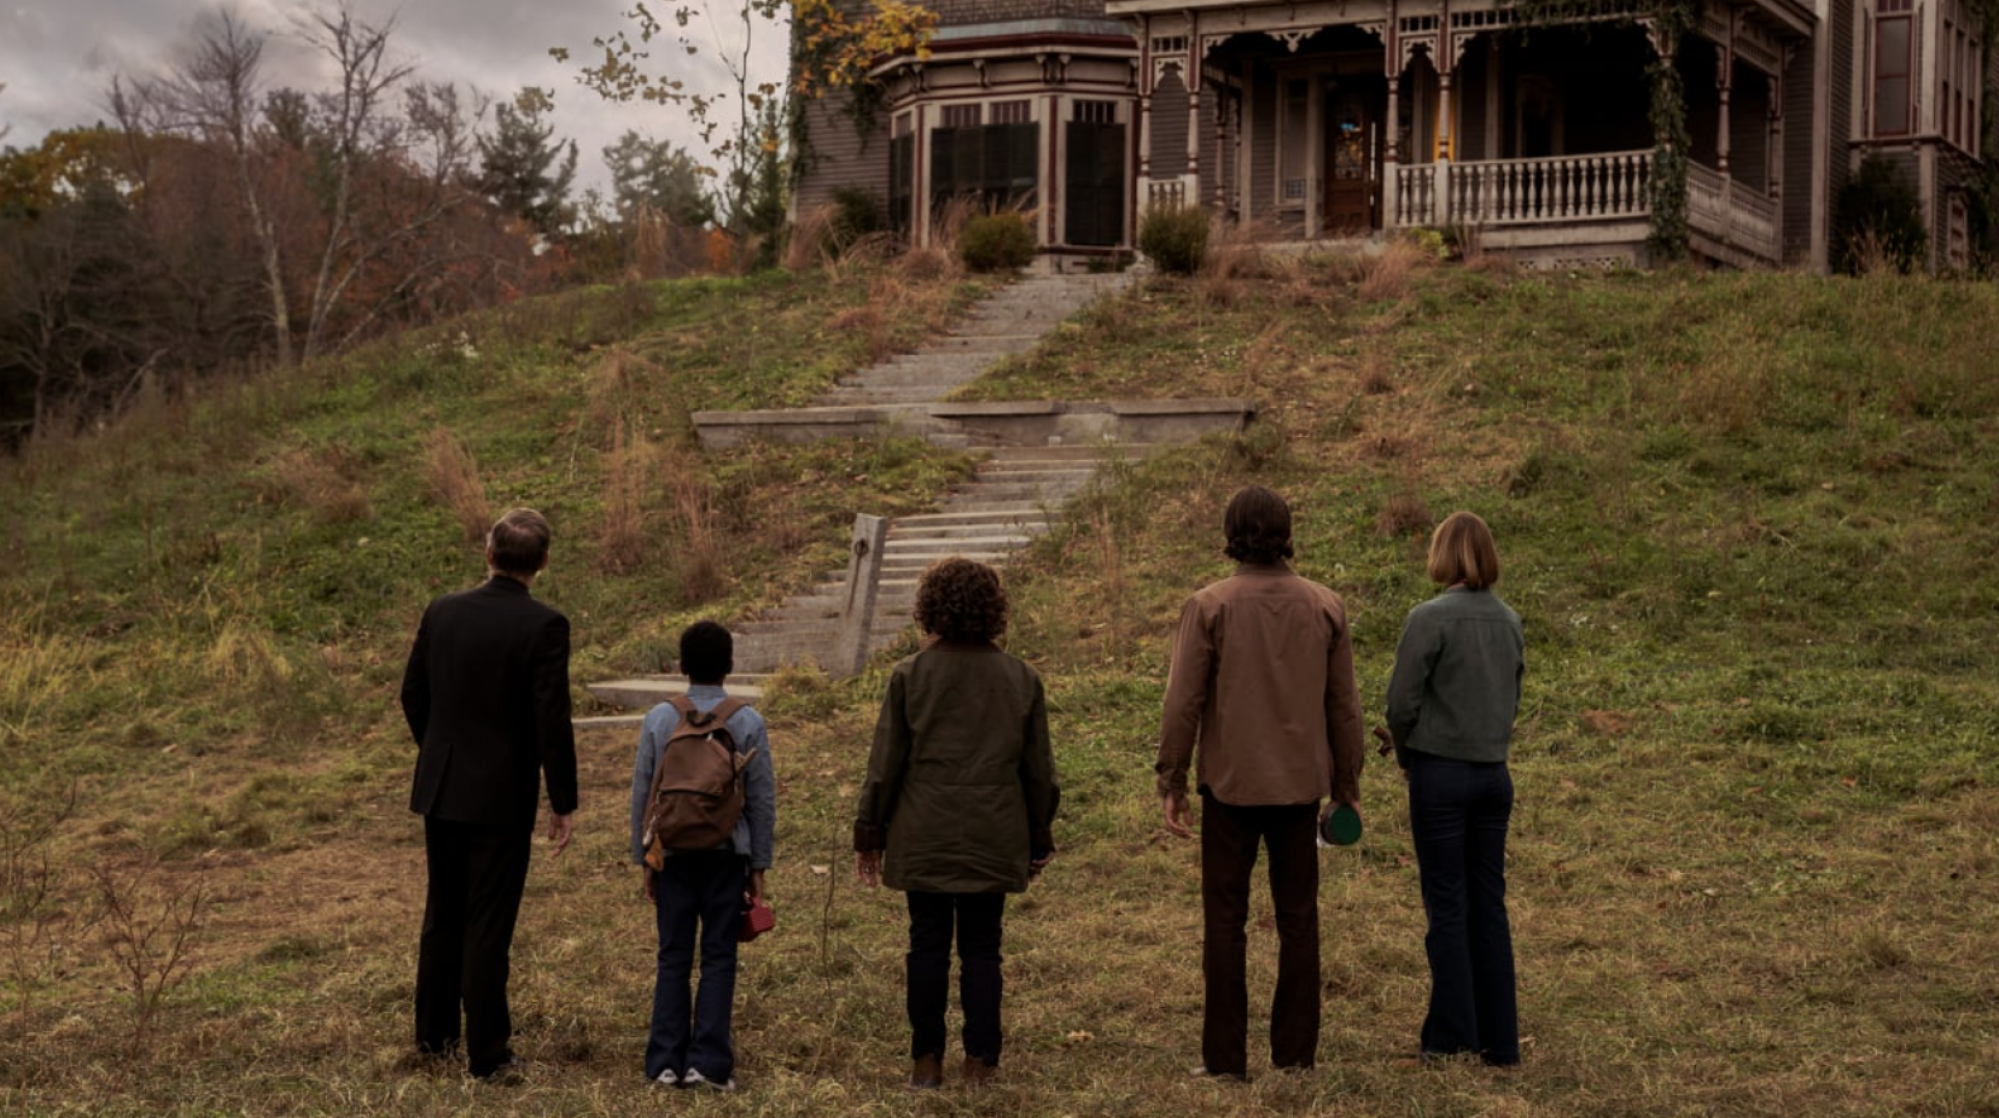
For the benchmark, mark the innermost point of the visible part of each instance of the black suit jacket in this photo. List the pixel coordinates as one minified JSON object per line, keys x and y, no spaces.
{"x":486,"y":694}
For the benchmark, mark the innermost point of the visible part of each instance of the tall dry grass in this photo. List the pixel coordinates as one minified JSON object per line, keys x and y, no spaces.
{"x":698,"y":553}
{"x":327,"y":481}
{"x":1388,"y":275}
{"x":621,"y":534}
{"x":455,"y":482}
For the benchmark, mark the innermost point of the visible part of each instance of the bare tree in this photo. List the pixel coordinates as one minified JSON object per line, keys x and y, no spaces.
{"x":213,"y":95}
{"x":388,"y":155}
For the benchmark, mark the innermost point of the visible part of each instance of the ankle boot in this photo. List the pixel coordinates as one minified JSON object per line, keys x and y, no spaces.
{"x":978,"y":1072}
{"x":927,"y":1074}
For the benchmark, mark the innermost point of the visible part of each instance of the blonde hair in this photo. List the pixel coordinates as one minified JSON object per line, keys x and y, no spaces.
{"x":1461,"y":550}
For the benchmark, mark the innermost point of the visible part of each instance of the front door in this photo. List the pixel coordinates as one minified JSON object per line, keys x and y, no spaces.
{"x":1352,"y":154}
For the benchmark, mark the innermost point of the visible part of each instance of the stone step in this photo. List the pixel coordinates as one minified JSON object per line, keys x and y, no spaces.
{"x":923,"y":522}
{"x":645,"y":692}
{"x":938,"y":361}
{"x":1009,"y":492}
{"x":910,"y":374}
{"x":914,"y":394}
{"x":978,"y":539}
{"x":1034,"y":471}
{"x":1092,"y":454}
{"x":996,"y":344}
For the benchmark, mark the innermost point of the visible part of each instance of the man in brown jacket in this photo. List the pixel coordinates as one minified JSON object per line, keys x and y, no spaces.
{"x":1263,"y":681}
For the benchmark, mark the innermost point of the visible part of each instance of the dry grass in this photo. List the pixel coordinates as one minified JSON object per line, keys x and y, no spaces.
{"x":456,"y":484}
{"x":1389,"y":274}
{"x":1405,"y":514}
{"x":327,"y":481}
{"x":621,"y":534}
{"x":697,"y":540}
{"x":949,"y":221}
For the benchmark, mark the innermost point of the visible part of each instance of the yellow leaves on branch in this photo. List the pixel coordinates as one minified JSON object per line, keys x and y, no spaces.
{"x":833,"y":50}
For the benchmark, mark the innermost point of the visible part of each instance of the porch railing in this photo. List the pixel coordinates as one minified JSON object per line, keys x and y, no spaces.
{"x":1524,"y":191}
{"x":1169,"y":194}
{"x":1731,"y":212}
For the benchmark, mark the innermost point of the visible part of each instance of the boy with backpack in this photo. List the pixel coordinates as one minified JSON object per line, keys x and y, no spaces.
{"x":703,"y":817}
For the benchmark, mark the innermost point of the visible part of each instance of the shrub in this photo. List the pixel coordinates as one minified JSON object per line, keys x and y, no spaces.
{"x":1880,"y":220}
{"x":996,"y":242}
{"x":1176,"y":239}
{"x":855,"y":215}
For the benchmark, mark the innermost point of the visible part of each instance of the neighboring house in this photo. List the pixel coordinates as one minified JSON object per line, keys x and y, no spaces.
{"x":1335,"y":118}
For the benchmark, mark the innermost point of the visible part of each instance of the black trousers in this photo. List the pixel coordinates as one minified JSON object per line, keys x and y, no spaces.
{"x":477,"y":873}
{"x":978,"y":917}
{"x":1229,"y":838}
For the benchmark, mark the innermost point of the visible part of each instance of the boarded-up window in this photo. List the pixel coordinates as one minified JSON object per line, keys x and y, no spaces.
{"x":1094,"y":183}
{"x":995,"y":165}
{"x":901,"y":182}
{"x":1010,"y":112}
{"x":1096,"y":112}
{"x":1893,"y":52}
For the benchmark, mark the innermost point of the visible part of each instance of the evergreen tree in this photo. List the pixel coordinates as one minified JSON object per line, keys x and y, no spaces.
{"x":524,"y":170}
{"x":656,"y":173}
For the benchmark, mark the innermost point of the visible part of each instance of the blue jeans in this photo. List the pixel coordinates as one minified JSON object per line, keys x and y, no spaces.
{"x":703,"y":888}
{"x":1458,"y":812}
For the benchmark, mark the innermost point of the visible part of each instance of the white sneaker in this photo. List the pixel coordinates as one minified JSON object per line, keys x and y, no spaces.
{"x":667,"y":1078}
{"x":695,"y":1079}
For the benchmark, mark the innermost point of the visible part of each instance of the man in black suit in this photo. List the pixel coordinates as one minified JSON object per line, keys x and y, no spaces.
{"x":486,"y":694}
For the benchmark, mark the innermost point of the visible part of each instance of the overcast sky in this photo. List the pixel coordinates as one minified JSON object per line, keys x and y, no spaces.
{"x":57,"y":57}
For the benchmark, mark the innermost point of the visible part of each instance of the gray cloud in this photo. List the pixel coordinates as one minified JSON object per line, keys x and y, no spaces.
{"x":58,"y":57}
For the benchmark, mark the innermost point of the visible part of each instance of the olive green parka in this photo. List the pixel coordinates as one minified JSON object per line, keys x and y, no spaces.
{"x":961,"y":788}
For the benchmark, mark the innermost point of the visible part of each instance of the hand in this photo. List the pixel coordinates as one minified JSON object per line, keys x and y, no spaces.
{"x":1386,"y":743}
{"x":756,"y":884}
{"x":560,"y":827}
{"x":1036,"y":865}
{"x":1179,"y":817}
{"x":868,"y":867}
{"x":651,"y":892}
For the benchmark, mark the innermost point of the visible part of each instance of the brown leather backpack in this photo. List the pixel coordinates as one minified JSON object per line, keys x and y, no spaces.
{"x":697,"y":785}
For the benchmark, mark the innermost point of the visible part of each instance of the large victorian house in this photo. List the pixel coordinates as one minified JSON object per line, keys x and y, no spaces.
{"x":1528,"y":124}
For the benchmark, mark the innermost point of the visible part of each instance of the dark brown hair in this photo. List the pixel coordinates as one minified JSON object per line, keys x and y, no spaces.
{"x":1461,"y":550}
{"x":1257,"y":526}
{"x":959,"y":599}
{"x":518,"y":543}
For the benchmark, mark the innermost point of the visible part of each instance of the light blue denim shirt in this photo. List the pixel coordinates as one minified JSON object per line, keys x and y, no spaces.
{"x":756,"y":830}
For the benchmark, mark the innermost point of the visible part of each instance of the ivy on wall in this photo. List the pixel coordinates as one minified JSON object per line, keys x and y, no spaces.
{"x":1670,"y":139}
{"x":1671,"y":22}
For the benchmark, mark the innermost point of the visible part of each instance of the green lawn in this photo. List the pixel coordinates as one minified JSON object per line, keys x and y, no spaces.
{"x":1748,"y":520}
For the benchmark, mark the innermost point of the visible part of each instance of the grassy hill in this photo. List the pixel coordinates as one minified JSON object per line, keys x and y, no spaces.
{"x":1749,"y":521}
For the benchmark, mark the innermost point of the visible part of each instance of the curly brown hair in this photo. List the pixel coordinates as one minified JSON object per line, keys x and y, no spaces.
{"x":960,"y":599}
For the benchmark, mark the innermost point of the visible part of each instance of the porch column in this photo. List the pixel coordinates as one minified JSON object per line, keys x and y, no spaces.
{"x":1194,"y":110}
{"x":1441,"y":214}
{"x":1391,"y":185}
{"x":1492,"y":98}
{"x":1221,"y":149}
{"x":1775,"y":158}
{"x":1723,"y":84}
{"x":1144,"y":108}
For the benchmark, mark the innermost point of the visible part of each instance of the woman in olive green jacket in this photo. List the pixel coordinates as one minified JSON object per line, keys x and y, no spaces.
{"x":958,"y":806}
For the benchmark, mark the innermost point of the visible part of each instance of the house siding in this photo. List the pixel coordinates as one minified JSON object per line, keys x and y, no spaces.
{"x":954,"y":13}
{"x":1798,"y":201}
{"x":842,"y":156}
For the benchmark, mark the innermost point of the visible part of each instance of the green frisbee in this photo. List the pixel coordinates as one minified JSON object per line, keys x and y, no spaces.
{"x":1341,"y":827}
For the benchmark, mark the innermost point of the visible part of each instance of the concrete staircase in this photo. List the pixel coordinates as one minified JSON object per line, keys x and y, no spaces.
{"x":1009,"y":500}
{"x":1011,"y":321}
{"x":1012,"y":495}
